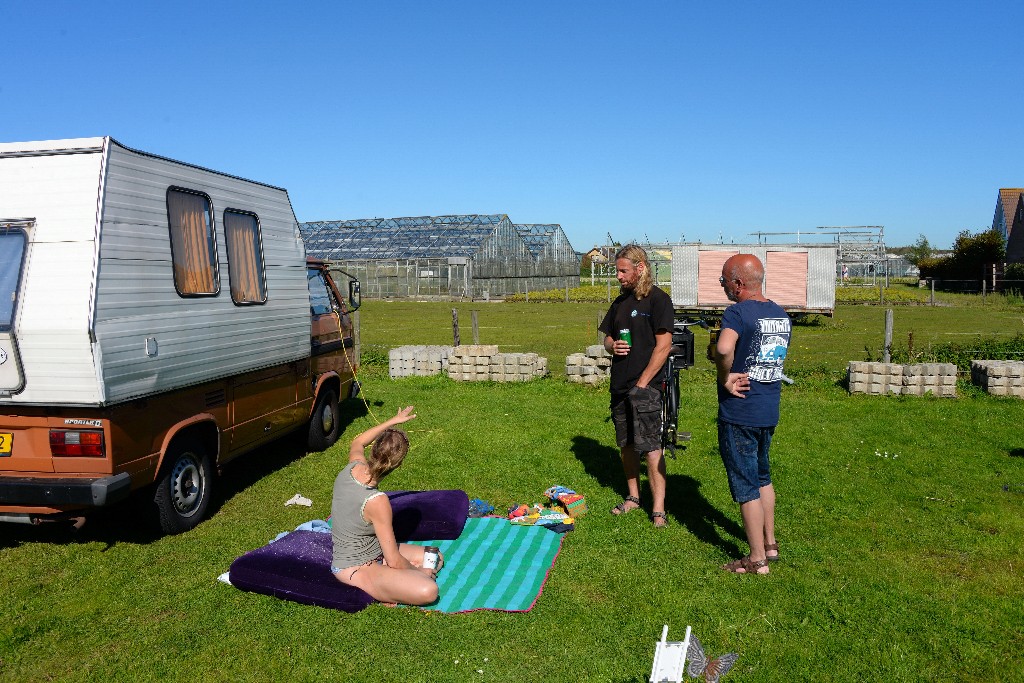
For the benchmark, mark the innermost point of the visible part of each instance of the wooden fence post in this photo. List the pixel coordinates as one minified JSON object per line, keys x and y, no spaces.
{"x":887,"y":345}
{"x":455,"y":326}
{"x":600,"y":334}
{"x":476,"y":328}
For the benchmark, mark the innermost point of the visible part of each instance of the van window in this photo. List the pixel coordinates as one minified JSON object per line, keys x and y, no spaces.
{"x":12,"y":252}
{"x":321,"y":302}
{"x":193,"y":247}
{"x":245,"y":257}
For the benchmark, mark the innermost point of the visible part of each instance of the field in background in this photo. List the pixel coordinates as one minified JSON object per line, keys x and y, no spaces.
{"x":899,"y":519}
{"x":555,"y":330}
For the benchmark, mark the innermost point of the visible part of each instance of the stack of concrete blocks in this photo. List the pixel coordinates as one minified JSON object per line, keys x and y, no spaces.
{"x":591,"y":367}
{"x":419,"y":361}
{"x":938,"y":379}
{"x":483,"y":362}
{"x":999,"y":377}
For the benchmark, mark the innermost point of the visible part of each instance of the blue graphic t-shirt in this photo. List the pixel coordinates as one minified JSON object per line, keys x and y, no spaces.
{"x":764,"y":332}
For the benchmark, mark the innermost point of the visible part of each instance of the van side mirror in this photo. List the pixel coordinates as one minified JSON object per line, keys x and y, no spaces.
{"x":355,"y":299}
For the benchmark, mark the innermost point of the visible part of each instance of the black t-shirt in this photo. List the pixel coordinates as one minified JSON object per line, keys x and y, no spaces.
{"x":643,"y":318}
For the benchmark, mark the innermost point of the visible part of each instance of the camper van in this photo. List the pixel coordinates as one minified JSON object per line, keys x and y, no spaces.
{"x":157,"y":320}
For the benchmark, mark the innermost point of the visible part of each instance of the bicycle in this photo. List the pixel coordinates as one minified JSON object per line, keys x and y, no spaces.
{"x":680,"y":357}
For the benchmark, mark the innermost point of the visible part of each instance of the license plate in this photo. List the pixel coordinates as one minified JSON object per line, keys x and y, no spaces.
{"x":6,"y":443}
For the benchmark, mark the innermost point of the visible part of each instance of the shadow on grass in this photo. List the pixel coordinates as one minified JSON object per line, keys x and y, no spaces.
{"x":707,"y":523}
{"x":683,"y":499}
{"x":1017,"y":452}
{"x":135,"y":520}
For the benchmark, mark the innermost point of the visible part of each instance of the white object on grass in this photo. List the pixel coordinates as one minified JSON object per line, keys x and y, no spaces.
{"x":298,"y":499}
{"x":669,"y":658}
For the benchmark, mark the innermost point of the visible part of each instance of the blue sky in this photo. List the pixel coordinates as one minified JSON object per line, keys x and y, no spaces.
{"x":654,"y":121}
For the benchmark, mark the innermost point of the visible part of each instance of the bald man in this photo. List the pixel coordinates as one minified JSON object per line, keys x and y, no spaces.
{"x":751,"y":348}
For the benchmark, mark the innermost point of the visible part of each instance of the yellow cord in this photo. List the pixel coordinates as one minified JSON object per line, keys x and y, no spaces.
{"x":355,"y":378}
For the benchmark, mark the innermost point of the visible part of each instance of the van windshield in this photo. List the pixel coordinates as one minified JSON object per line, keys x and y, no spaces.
{"x":12,"y":249}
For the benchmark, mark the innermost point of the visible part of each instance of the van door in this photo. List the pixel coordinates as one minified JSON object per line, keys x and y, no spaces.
{"x":13,"y":245}
{"x":329,"y":323}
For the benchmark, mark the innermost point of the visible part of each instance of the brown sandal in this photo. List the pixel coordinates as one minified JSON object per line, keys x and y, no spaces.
{"x":655,"y":516}
{"x":769,"y":548}
{"x":745,"y":565}
{"x":621,"y":508}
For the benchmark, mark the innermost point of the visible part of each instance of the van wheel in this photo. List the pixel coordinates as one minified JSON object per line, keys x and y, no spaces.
{"x":323,"y":425}
{"x":183,"y":492}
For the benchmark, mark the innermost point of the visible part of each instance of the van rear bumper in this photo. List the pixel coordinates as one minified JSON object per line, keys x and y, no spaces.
{"x":75,"y":491}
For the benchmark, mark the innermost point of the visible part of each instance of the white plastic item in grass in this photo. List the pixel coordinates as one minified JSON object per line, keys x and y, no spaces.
{"x":669,"y":658}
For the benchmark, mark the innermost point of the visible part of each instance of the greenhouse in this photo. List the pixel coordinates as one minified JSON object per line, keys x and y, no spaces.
{"x":465,"y":256}
{"x":553,"y":257}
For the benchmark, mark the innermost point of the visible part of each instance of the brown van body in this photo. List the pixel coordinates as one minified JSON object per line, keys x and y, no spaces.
{"x":220,"y":419}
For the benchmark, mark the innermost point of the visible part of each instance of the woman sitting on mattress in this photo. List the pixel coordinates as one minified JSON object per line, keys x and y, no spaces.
{"x":366,"y":554}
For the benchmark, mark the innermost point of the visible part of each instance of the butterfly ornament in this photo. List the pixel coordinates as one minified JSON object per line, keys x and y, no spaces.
{"x":711,"y":669}
{"x":671,"y":659}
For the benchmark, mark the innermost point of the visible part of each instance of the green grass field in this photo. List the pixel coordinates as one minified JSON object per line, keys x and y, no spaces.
{"x":900,"y":523}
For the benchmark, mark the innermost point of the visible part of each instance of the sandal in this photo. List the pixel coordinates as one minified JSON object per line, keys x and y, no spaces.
{"x":621,"y":508}
{"x":745,"y":565}
{"x":769,"y":548}
{"x":655,"y":516}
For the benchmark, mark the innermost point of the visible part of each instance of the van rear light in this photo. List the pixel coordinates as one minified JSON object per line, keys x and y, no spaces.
{"x":77,"y":443}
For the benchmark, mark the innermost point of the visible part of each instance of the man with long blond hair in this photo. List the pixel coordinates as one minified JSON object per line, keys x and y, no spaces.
{"x":638,"y":334}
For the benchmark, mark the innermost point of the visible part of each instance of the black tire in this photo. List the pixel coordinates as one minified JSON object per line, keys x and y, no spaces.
{"x":670,"y":412}
{"x":323,"y":425}
{"x":184,"y":487}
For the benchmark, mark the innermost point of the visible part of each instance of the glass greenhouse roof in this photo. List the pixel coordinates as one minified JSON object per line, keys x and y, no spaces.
{"x":393,"y":238}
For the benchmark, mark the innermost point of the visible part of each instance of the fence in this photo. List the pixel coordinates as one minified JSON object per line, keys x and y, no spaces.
{"x":444,"y":278}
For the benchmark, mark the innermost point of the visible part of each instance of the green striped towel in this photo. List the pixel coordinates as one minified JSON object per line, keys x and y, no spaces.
{"x":494,"y":565}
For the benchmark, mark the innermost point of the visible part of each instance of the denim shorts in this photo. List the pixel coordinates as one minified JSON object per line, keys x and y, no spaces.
{"x":637,"y":418}
{"x":744,"y":453}
{"x":337,"y":570}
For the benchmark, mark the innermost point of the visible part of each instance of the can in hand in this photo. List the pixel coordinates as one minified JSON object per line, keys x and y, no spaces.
{"x":430,"y":556}
{"x":626,"y":336}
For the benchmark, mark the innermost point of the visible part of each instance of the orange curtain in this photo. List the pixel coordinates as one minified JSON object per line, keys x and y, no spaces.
{"x":191,"y":242}
{"x":245,"y":262}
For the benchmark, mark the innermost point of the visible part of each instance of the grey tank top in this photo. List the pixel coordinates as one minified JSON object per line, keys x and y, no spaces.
{"x":354,"y":539}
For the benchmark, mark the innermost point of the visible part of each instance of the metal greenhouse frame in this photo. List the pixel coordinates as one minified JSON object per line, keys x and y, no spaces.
{"x":459,"y":256}
{"x":553,"y":256}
